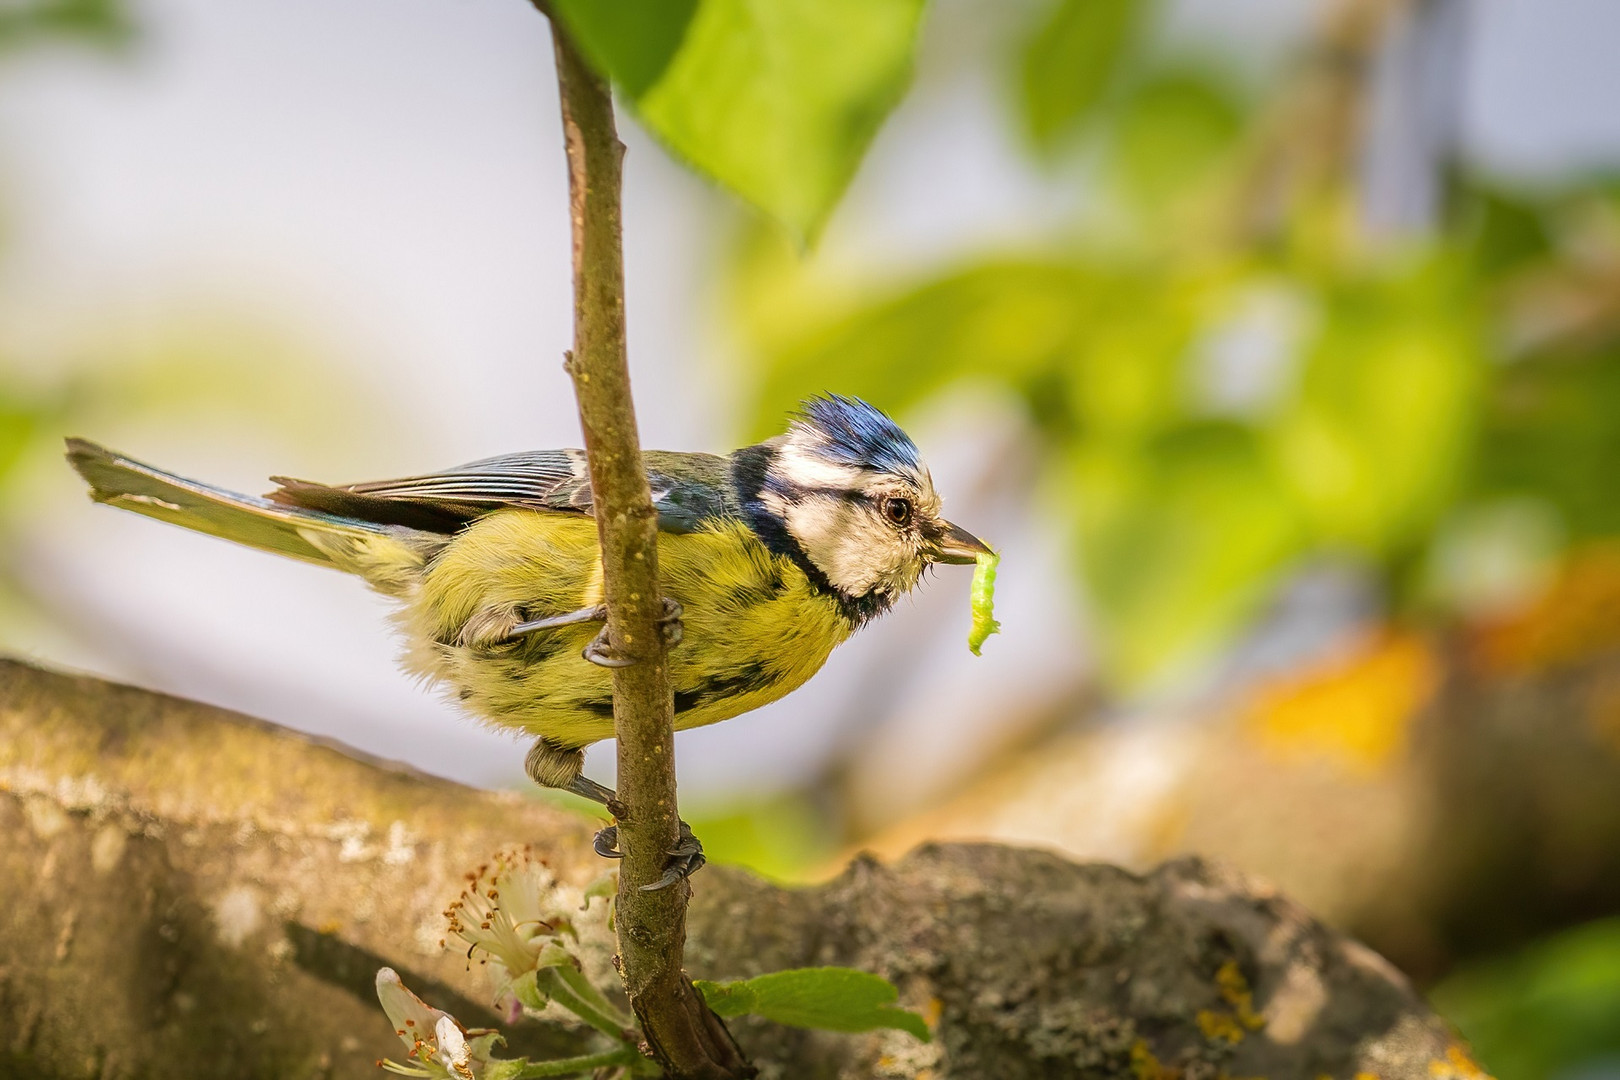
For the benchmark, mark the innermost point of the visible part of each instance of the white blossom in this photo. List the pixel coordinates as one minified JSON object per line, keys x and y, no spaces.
{"x":436,"y":1045}
{"x":501,"y":915}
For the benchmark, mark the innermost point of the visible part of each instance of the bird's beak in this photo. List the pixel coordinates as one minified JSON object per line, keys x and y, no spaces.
{"x":956,"y":545}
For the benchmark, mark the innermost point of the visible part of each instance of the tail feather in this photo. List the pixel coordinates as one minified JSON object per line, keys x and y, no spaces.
{"x":387,"y":556}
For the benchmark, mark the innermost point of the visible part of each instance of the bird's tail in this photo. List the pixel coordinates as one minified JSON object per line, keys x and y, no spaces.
{"x":389,"y":557}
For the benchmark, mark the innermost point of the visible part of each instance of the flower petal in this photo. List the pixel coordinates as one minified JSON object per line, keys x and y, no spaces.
{"x":413,"y":1019}
{"x":453,"y":1048}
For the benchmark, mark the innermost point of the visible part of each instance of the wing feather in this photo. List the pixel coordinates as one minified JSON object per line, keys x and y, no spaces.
{"x":687,"y":490}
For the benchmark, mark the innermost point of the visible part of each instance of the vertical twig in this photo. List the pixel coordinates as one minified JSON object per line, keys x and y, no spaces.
{"x":687,"y":1040}
{"x":1304,"y":146}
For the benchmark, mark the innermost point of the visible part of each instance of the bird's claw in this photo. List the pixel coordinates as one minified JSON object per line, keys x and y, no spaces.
{"x":602,"y":653}
{"x":685,"y":858}
{"x":670,"y":623}
{"x":606,"y":843}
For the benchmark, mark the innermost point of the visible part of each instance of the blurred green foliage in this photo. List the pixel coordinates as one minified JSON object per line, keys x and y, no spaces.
{"x":1545,"y":1011}
{"x":28,"y":409}
{"x":1071,"y":59}
{"x":99,"y":380}
{"x":1554,"y":430}
{"x":97,"y":22}
{"x":778,"y":836}
{"x":776,"y":101}
{"x":1231,"y":376}
{"x":1173,"y":130}
{"x":1191,"y":486}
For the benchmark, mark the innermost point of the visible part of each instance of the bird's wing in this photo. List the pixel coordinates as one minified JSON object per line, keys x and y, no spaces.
{"x":687,"y":490}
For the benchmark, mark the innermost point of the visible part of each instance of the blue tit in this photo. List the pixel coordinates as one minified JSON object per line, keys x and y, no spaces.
{"x":768,"y":557}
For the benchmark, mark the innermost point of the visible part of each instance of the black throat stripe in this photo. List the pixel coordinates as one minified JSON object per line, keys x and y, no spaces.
{"x":750,"y":476}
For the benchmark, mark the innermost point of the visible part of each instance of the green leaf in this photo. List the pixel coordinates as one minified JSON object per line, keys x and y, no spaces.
{"x":1180,"y":541}
{"x":1072,"y":60}
{"x":97,"y":22}
{"x":1552,"y":432}
{"x":776,"y":99}
{"x":1545,"y":1010}
{"x":624,"y":1057}
{"x":828,"y":998}
{"x":633,"y":40}
{"x":1013,"y":320}
{"x":1173,"y":132}
{"x":554,"y":955}
{"x":504,"y":1069}
{"x":605,"y":887}
{"x":526,"y":988}
{"x":1504,"y":230}
{"x":1375,"y":442}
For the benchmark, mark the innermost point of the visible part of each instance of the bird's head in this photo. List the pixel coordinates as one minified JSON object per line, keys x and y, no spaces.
{"x":847,"y":487}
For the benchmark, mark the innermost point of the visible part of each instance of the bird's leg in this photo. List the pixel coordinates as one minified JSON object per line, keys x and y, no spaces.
{"x":601,"y":651}
{"x":554,"y":766}
{"x":500,"y":624}
{"x":583,"y":615}
{"x":551,"y":765}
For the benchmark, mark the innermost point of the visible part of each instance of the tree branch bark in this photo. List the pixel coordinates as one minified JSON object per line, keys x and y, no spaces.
{"x":185,"y":888}
{"x":686,"y":1038}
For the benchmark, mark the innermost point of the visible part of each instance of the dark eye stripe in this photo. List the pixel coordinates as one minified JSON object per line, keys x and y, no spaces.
{"x":798,"y":492}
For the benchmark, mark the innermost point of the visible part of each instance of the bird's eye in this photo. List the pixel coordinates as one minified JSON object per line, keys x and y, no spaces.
{"x":898,"y":511}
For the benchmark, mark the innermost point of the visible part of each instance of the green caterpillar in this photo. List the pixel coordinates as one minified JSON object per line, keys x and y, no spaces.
{"x":984,"y":599}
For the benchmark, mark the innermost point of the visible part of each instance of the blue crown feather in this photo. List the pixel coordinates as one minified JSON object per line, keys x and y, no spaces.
{"x":854,"y":433}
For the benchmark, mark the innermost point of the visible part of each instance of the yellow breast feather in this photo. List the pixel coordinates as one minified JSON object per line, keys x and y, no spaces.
{"x":755,"y":626}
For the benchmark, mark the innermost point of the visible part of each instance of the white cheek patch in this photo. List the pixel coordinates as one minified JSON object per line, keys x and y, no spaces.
{"x":856,"y":552}
{"x":820,"y":525}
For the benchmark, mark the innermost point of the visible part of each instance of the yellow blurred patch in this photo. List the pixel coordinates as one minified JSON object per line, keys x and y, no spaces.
{"x":1146,"y":1066}
{"x":1220,"y":1025}
{"x":1235,"y":989}
{"x":1576,"y":617}
{"x":1603,"y":709}
{"x":1457,"y":1066}
{"x":1355,"y":709}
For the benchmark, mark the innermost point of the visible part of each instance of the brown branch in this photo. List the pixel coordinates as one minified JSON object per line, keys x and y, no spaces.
{"x":179,"y":883}
{"x":683,"y":1035}
{"x":1302,"y":148}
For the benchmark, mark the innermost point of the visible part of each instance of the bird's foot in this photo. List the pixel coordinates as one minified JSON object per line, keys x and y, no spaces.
{"x":602,"y":653}
{"x":685,"y":857}
{"x":606,"y":843}
{"x":670,"y":623}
